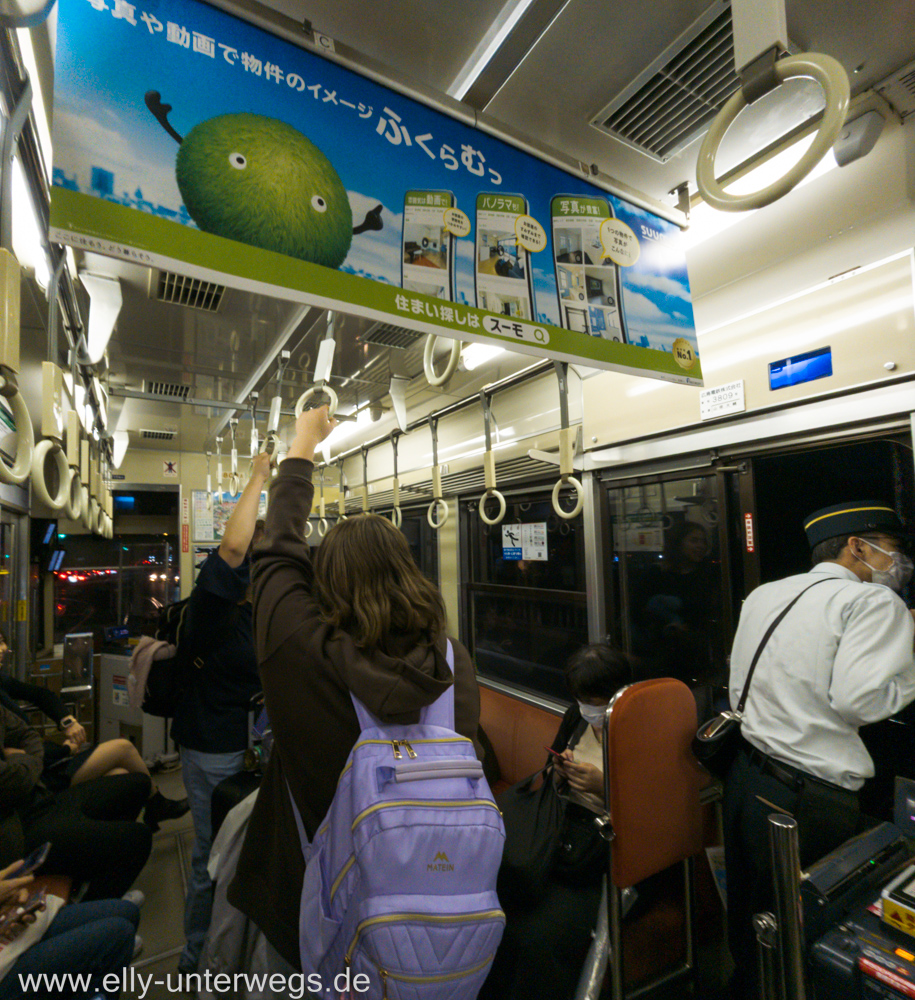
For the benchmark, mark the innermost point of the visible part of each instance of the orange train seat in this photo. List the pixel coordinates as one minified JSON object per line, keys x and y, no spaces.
{"x":518,"y":733}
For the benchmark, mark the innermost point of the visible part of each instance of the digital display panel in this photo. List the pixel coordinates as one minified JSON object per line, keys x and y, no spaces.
{"x":800,"y":368}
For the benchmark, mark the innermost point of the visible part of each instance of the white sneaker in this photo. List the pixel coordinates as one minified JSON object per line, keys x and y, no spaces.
{"x":135,"y":896}
{"x":137,"y":945}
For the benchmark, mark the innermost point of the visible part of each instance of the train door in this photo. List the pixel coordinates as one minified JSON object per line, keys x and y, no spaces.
{"x":13,"y":586}
{"x":780,"y":489}
{"x":671,"y":576}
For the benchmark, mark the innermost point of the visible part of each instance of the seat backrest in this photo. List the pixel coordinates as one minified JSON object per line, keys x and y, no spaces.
{"x":654,"y":779}
{"x":518,"y":732}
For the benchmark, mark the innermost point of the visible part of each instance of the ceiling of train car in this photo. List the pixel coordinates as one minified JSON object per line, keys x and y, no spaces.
{"x":562,"y":63}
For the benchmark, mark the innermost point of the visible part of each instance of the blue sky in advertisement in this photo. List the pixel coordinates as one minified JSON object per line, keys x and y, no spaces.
{"x":206,"y":63}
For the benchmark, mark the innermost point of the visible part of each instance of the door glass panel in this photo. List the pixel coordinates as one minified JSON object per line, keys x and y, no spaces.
{"x":668,"y":579}
{"x":7,"y":574}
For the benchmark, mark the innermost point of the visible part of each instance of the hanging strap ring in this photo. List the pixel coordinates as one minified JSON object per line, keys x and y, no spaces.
{"x":579,"y":503}
{"x":498,"y":496}
{"x":25,"y":435}
{"x":322,"y":527}
{"x":450,"y":367}
{"x":430,"y":513}
{"x":64,"y":474}
{"x":308,"y":393}
{"x":396,"y":517}
{"x":234,"y":484}
{"x":309,"y":528}
{"x":74,"y":503}
{"x":830,"y":75}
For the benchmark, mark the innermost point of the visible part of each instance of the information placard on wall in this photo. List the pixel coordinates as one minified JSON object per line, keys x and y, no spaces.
{"x":210,"y":516}
{"x":402,"y":213}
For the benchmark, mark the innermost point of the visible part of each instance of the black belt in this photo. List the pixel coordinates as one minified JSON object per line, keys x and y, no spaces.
{"x":794,"y":778}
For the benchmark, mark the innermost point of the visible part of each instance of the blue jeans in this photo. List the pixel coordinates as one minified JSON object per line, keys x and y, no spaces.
{"x":202,"y":772}
{"x":92,"y":939}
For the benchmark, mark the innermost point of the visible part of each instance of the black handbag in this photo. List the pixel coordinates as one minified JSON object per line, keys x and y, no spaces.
{"x":717,"y":741}
{"x":534,"y":820}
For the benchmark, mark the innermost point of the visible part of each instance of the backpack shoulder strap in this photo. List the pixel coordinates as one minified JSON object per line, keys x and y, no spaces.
{"x":439,"y":713}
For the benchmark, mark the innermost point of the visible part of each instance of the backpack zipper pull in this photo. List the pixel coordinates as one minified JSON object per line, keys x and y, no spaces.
{"x":410,"y":749}
{"x":397,"y":754}
{"x":384,"y":984}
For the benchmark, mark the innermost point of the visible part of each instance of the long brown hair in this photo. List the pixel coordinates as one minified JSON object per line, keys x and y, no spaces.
{"x":367,"y":583}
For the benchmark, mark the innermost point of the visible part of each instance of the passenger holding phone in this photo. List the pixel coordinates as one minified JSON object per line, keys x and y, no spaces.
{"x":83,"y":939}
{"x":544,"y":945}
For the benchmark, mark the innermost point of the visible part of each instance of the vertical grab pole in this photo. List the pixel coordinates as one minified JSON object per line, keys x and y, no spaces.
{"x":218,"y":495}
{"x":365,"y":481}
{"x":341,"y":497}
{"x":766,"y":935}
{"x":786,"y":876}
{"x":396,"y":516}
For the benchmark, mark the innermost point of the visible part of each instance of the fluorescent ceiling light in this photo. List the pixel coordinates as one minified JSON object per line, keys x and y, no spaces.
{"x":475,"y":355}
{"x":705,"y":222}
{"x":28,"y":244}
{"x":24,"y":37}
{"x":346,"y":430}
{"x":499,"y":30}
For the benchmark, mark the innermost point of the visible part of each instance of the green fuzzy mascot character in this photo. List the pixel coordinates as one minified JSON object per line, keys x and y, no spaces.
{"x":258,"y":180}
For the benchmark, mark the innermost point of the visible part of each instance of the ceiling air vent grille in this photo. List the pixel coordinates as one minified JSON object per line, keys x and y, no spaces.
{"x":899,"y":90}
{"x":191,"y":292}
{"x":149,"y":435}
{"x":391,"y":336}
{"x":679,"y":94}
{"x":169,"y":390}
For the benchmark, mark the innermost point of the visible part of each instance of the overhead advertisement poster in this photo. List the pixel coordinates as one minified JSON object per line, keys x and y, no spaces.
{"x":189,"y":140}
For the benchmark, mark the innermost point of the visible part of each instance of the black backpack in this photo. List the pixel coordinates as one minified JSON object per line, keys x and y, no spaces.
{"x":169,"y":679}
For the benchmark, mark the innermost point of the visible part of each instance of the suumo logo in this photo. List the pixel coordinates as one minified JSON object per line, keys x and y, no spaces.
{"x":440,"y":863}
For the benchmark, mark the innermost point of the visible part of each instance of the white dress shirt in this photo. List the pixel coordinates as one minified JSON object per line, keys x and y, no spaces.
{"x":842,"y":657}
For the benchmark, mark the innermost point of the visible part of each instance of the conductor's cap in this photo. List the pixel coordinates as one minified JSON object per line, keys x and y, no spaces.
{"x":854,"y":518}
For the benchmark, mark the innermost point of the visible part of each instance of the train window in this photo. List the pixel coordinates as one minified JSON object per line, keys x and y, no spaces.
{"x":667,"y":579}
{"x":423,"y":542}
{"x":105,"y":583}
{"x":524,"y":598}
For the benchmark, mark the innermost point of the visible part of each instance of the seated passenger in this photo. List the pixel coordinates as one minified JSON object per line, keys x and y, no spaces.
{"x":84,"y":939}
{"x":211,"y":721}
{"x":544,"y":946}
{"x":91,"y":826}
{"x":358,"y":617}
{"x":73,"y":761}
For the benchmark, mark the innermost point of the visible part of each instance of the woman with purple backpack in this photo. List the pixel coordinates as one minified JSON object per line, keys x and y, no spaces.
{"x":356,"y":617}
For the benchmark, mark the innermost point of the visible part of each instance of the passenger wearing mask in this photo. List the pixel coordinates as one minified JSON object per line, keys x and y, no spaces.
{"x":841,"y":658}
{"x":211,"y":722}
{"x":543,"y":946}
{"x":357,"y":616}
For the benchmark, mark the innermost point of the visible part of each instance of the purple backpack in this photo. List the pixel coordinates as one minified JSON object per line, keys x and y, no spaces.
{"x":400,"y":881}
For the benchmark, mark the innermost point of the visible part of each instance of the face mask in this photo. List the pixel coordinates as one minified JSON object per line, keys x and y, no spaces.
{"x":592,"y":714}
{"x":897,"y":576}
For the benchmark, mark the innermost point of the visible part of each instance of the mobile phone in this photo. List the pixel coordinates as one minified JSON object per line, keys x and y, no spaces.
{"x":501,"y":273}
{"x":427,"y":247}
{"x":35,"y":860}
{"x":588,"y":284}
{"x":33,"y":904}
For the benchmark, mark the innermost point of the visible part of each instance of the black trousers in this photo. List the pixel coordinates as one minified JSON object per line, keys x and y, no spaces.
{"x":543,"y":946}
{"x":826,"y":817}
{"x":93,"y":833}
